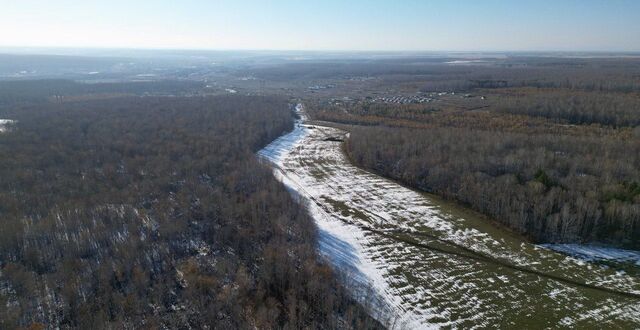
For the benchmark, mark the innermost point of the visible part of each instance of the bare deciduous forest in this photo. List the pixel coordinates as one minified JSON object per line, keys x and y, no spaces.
{"x":549,"y":149}
{"x":141,"y":202}
{"x":154,"y":212}
{"x":551,"y":188}
{"x":302,"y":165}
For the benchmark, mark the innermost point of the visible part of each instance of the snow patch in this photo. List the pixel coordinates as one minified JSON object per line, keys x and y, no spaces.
{"x":595,"y":253}
{"x":4,"y":123}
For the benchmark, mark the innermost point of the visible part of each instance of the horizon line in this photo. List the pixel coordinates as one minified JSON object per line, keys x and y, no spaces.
{"x":462,"y":51}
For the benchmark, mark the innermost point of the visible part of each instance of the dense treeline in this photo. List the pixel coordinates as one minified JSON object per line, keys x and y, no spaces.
{"x":154,"y":213}
{"x":547,"y":77}
{"x":588,"y":74}
{"x":433,"y":74}
{"x":490,"y":118}
{"x":574,"y":107}
{"x":17,"y":92}
{"x":552,"y":188}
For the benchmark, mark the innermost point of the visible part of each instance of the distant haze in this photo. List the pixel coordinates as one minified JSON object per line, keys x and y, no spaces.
{"x":413,"y":25}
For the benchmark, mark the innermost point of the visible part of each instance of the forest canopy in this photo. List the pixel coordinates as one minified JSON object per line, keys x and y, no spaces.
{"x":556,"y":164}
{"x":548,"y":187}
{"x":154,"y":212}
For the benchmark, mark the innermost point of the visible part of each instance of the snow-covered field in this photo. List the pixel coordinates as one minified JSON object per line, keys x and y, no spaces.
{"x":436,"y":265}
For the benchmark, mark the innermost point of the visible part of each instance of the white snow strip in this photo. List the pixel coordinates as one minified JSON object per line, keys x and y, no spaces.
{"x":339,"y":242}
{"x":593,"y":252}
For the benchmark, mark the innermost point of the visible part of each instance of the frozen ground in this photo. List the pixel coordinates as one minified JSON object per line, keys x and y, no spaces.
{"x":436,"y":265}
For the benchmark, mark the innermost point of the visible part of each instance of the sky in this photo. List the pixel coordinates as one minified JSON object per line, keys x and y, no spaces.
{"x":359,"y":25}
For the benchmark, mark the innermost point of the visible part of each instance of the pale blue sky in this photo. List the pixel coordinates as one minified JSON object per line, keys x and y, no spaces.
{"x":599,"y":25}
